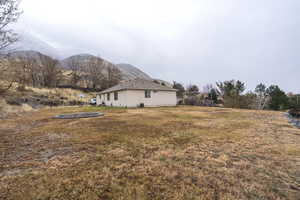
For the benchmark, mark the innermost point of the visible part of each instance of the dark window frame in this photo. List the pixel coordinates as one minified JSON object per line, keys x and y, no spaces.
{"x":147,"y":94}
{"x":108,"y":96}
{"x":116,"y":96}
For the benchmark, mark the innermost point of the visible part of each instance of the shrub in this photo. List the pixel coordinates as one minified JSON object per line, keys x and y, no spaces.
{"x":76,"y":103}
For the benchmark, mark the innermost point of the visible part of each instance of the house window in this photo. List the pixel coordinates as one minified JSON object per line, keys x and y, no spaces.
{"x":108,"y":96}
{"x":116,"y":96}
{"x":147,"y":94}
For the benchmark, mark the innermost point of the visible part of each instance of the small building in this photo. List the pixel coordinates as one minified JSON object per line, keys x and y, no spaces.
{"x":138,"y":93}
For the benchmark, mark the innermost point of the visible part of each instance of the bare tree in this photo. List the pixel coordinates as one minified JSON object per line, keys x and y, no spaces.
{"x":77,"y":72}
{"x":20,"y":72}
{"x":262,"y":98}
{"x":9,"y":13}
{"x":51,"y":73}
{"x":113,"y":76}
{"x":95,"y":76}
{"x":36,"y":73}
{"x":6,"y":78}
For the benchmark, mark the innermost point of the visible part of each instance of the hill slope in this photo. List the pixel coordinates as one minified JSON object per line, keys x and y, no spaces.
{"x":130,"y":72}
{"x":35,"y":56}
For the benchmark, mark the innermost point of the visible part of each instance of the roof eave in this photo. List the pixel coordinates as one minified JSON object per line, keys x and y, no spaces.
{"x":167,"y":90}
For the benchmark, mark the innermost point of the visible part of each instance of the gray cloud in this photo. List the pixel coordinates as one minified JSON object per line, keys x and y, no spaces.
{"x":187,"y":41}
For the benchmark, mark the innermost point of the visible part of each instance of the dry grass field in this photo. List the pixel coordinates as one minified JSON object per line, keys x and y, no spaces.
{"x":152,"y":153}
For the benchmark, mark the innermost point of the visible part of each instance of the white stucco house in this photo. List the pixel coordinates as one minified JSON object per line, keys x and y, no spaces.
{"x":138,"y":93}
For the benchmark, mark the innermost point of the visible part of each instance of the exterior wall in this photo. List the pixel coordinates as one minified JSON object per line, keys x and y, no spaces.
{"x":133,"y":98}
{"x":121,"y":102}
{"x":158,"y":98}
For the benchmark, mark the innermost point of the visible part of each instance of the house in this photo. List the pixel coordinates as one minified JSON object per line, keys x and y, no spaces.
{"x":138,"y":93}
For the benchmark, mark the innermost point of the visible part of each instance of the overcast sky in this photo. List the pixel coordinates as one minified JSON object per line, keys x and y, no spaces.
{"x":190,"y":41}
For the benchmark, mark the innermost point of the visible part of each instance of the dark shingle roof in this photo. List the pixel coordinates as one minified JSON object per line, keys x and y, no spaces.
{"x":138,"y":84}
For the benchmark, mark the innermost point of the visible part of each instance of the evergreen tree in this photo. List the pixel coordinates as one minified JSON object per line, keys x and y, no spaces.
{"x":278,"y":98}
{"x":180,"y":89}
{"x":231,"y":92}
{"x":213,"y":95}
{"x":192,"y":90}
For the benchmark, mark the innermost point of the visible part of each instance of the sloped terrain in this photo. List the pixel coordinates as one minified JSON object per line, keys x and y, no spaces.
{"x":157,"y":153}
{"x":84,"y":60}
{"x":130,"y":72}
{"x":34,"y":56}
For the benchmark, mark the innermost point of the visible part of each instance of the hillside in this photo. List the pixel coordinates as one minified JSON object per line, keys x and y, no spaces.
{"x":84,"y":61}
{"x":130,"y":72}
{"x":32,"y":56}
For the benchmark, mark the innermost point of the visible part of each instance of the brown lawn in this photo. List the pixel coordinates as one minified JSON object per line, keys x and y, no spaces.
{"x":154,"y":153}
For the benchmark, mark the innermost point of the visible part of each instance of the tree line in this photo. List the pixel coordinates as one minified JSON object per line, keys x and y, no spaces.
{"x":231,"y":94}
{"x":43,"y":71}
{"x":96,"y":74}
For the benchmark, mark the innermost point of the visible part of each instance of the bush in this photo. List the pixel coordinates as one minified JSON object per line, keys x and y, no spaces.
{"x":198,"y":101}
{"x":48,"y":102}
{"x":75,"y":103}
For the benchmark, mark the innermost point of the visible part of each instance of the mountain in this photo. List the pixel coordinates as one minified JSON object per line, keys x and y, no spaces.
{"x":83,"y":61}
{"x":31,"y":45}
{"x":130,"y":72}
{"x":32,"y":56}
